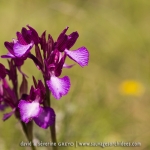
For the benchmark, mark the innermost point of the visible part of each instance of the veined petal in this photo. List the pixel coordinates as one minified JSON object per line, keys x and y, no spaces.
{"x":45,"y":118}
{"x":8,"y":115}
{"x":28,"y":110}
{"x":20,"y":50}
{"x":58,"y":86}
{"x":81,"y":56}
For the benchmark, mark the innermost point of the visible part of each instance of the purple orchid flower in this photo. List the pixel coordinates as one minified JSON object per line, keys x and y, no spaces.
{"x":18,"y":49}
{"x":8,"y":96}
{"x":49,"y":58}
{"x":65,"y":42}
{"x":30,"y":108}
{"x":21,"y":47}
{"x":58,"y":86}
{"x":56,"y":61}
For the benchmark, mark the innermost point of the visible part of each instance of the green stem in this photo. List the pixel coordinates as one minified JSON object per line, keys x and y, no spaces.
{"x":24,"y":128}
{"x":52,"y":127}
{"x":28,"y":132}
{"x":53,"y":136}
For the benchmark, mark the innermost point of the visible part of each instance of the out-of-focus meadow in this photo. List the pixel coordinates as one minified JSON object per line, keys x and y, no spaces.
{"x":110,"y":99}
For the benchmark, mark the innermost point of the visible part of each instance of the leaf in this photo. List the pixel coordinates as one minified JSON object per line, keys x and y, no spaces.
{"x":38,"y":54}
{"x":23,"y":86}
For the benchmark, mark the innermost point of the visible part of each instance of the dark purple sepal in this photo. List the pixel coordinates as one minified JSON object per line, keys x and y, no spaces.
{"x":37,"y":93}
{"x":34,"y":35}
{"x":3,"y":71}
{"x":21,"y":39}
{"x":59,"y":66}
{"x":9,"y":46}
{"x":45,"y":118}
{"x":42,"y":91}
{"x":13,"y":72}
{"x":50,"y":45}
{"x":32,"y":94}
{"x":53,"y":58}
{"x":41,"y":86}
{"x":72,"y":38}
{"x":38,"y":54}
{"x":66,"y":41}
{"x":62,"y":35}
{"x":43,"y":41}
{"x":26,"y":35}
{"x":10,"y":96}
{"x":61,"y":40}
{"x":61,"y":43}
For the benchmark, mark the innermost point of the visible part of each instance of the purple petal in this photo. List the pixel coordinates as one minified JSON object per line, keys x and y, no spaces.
{"x":8,"y":55}
{"x":20,"y":50}
{"x":68,"y":66}
{"x":81,"y":56}
{"x":45,"y":118}
{"x":8,"y":115}
{"x":58,"y":86}
{"x":28,"y":110}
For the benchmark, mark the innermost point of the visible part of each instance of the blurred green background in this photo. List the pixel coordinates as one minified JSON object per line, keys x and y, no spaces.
{"x":109,"y":100}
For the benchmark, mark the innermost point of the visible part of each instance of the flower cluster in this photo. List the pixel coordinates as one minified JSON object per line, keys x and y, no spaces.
{"x":50,"y":59}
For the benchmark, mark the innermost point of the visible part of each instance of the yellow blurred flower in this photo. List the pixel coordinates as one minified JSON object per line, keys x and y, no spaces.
{"x":131,"y":87}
